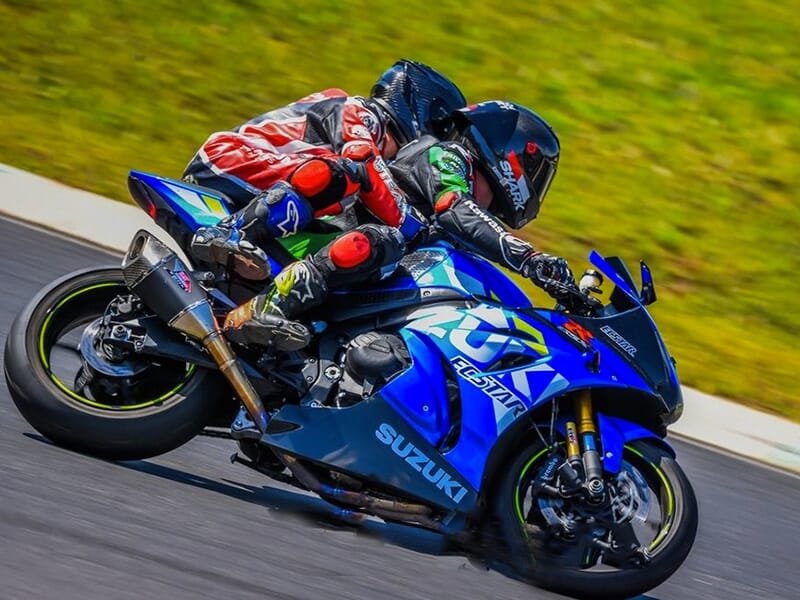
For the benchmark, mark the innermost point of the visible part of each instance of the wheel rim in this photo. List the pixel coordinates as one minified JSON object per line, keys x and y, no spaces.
{"x":642,"y":498}
{"x":669,"y":499}
{"x":63,"y":327}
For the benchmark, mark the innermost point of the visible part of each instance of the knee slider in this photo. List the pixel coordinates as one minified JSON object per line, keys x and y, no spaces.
{"x":350,"y":250}
{"x":312,"y":178}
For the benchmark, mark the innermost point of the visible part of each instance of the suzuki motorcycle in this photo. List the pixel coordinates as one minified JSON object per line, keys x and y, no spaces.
{"x":440,"y":398}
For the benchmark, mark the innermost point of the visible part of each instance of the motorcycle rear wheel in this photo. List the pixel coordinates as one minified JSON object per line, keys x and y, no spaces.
{"x":655,"y":496}
{"x":148,"y":406}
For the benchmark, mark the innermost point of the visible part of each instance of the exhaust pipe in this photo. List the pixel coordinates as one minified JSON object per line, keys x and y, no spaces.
{"x":154,"y":272}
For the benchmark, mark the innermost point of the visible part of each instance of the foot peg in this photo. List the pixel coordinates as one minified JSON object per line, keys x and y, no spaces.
{"x":244,"y":428}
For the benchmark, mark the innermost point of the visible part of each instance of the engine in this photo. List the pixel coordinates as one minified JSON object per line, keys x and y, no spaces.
{"x":353,"y":371}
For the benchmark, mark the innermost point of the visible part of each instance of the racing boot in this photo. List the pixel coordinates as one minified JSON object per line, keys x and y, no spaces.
{"x":224,"y":245}
{"x":234,"y":242}
{"x":266,"y":320}
{"x":368,"y":253}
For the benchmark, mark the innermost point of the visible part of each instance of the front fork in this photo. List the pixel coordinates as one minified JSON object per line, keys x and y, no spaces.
{"x":587,"y":436}
{"x":572,"y":493}
{"x":582,"y":472}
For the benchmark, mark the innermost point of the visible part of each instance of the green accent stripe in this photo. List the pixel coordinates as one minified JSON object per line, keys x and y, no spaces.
{"x":78,"y":397}
{"x":84,"y":400}
{"x":304,"y":243}
{"x":450,"y":167}
{"x":519,"y":482}
{"x":670,"y":499}
{"x":53,"y":310}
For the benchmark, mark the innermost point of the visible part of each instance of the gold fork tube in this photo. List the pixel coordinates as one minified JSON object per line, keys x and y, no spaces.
{"x":592,"y":465}
{"x":573,"y":448}
{"x":583,"y":412}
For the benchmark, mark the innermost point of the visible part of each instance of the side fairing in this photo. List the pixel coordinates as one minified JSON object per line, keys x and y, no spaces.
{"x":504,"y":362}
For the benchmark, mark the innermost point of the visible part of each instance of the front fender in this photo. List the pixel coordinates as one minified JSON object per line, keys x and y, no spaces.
{"x":614,"y":433}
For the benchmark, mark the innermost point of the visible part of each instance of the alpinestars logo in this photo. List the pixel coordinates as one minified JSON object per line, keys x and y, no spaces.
{"x":292,"y":221}
{"x":420,"y":462}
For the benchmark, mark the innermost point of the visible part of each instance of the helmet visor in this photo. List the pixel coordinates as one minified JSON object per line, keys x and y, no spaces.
{"x":542,"y":179}
{"x":539,"y":180}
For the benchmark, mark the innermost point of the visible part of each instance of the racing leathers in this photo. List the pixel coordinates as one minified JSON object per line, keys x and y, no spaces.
{"x":439,"y":179}
{"x":287,"y":166}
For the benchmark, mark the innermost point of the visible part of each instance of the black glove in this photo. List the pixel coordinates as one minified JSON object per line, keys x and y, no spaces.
{"x":551,"y":273}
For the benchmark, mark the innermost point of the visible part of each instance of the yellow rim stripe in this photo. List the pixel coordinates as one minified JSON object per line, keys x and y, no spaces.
{"x":78,"y":397}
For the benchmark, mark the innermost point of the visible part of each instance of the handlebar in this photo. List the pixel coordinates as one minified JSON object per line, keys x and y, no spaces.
{"x":571,"y":297}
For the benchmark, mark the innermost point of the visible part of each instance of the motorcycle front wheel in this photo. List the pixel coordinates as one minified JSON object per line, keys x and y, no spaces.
{"x":78,"y":394}
{"x":626,"y":545}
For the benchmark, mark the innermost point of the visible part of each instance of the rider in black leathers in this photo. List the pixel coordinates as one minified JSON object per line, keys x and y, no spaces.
{"x":498,"y":167}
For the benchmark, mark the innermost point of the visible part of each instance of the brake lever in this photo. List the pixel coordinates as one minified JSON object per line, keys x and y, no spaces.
{"x":583,"y":304}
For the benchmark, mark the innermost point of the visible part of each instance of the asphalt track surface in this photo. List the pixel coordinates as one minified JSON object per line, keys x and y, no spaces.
{"x":190,"y":525}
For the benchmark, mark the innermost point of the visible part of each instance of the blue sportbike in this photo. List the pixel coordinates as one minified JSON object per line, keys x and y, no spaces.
{"x":440,"y":398}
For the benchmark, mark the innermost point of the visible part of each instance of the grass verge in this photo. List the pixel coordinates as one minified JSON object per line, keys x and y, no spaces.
{"x":678,"y":126}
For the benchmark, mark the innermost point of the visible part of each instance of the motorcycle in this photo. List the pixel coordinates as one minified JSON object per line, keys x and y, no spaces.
{"x":440,"y":398}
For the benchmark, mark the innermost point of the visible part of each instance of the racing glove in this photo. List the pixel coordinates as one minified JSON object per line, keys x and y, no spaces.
{"x":551,"y":273}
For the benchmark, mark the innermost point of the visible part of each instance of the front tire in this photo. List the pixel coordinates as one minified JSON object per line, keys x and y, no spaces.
{"x":663,"y":507}
{"x":141,"y":407}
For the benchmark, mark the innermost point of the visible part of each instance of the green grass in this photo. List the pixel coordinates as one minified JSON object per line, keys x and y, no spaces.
{"x":678,"y":123}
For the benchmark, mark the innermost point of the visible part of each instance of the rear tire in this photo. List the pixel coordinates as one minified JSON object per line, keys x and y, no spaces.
{"x":162,"y":406}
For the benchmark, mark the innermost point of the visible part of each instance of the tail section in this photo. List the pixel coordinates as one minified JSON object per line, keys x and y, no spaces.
{"x":179,"y":208}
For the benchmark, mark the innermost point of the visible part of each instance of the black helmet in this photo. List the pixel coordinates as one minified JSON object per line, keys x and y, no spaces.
{"x":518,"y":152}
{"x":417,"y":100}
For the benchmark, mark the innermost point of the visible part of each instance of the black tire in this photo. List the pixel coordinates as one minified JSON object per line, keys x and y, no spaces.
{"x":182,"y":398}
{"x":532,"y":561}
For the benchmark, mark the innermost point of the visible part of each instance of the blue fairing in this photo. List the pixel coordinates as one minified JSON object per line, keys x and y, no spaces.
{"x":505,"y":362}
{"x":440,"y":266}
{"x":502,"y":356}
{"x":602,"y":264}
{"x":615,"y":433}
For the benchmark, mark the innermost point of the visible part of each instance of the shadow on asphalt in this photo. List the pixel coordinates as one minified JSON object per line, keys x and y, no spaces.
{"x":301,"y":504}
{"x":307,"y":507}
{"x":313,"y":510}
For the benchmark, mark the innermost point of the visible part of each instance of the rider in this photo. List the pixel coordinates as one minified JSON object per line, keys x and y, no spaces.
{"x":308,"y":159}
{"x":499,"y":165}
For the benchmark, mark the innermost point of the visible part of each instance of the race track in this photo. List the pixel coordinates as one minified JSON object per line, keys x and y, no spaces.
{"x":190,"y":525}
